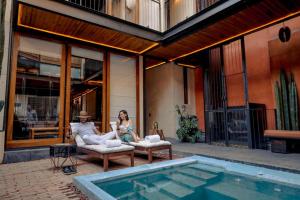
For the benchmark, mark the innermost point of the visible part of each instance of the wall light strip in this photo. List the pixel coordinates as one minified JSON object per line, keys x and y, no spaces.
{"x":185,"y":65}
{"x":238,"y":35}
{"x":152,"y":46}
{"x":156,"y":65}
{"x":77,"y":38}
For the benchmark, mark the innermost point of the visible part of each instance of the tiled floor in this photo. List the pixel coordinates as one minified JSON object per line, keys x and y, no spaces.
{"x":37,"y":180}
{"x":262,"y":157}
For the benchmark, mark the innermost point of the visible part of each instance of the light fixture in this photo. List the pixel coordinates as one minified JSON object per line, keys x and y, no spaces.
{"x":156,"y":65}
{"x":284,"y":33}
{"x":185,"y":65}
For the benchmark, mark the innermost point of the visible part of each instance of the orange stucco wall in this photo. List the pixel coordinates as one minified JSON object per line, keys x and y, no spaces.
{"x":264,"y":56}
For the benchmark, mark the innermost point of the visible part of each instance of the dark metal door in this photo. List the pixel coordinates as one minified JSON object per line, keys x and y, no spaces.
{"x":226,"y":95}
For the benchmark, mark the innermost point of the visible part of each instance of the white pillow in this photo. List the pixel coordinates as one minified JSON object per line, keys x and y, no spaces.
{"x":74,"y":128}
{"x":79,"y":141}
{"x":113,"y":125}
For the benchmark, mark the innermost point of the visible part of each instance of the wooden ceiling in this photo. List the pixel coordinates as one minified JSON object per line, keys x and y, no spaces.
{"x":222,"y":27}
{"x":49,"y":22}
{"x":250,"y":17}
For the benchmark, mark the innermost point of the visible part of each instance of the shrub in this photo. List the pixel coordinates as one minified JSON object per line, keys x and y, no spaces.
{"x":188,"y":126}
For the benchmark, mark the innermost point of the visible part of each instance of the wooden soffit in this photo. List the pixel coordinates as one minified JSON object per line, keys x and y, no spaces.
{"x":30,"y":17}
{"x":223,"y":28}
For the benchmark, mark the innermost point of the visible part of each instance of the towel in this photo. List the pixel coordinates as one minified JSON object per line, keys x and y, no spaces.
{"x":113,"y":143}
{"x":152,"y":138}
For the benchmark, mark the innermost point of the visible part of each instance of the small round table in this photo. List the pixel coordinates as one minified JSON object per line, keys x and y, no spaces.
{"x":63,"y":150}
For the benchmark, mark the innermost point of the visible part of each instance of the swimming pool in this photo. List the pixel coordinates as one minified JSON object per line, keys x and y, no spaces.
{"x":194,"y":177}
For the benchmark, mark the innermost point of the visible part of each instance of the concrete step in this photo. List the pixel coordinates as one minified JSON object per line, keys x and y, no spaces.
{"x":23,"y":155}
{"x":176,"y":189}
{"x":193,"y":172}
{"x":187,"y":180}
{"x":237,"y":192}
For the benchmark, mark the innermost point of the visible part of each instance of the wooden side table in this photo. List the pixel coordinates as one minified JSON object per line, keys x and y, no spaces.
{"x":65,"y":151}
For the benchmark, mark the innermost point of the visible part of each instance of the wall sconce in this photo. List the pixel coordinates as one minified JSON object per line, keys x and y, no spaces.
{"x":284,"y":33}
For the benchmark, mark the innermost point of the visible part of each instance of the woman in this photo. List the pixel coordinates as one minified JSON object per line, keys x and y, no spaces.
{"x":124,"y":128}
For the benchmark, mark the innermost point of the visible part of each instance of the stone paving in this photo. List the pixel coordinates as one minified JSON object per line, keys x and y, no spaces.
{"x":37,"y":179}
{"x":289,"y":161}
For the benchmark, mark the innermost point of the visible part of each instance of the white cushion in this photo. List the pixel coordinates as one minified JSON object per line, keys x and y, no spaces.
{"x":74,"y":127}
{"x":148,"y":144}
{"x":79,"y":141}
{"x":103,"y":149}
{"x":113,"y":126}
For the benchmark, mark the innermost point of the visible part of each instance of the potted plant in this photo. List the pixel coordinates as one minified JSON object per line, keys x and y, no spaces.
{"x":188,"y":127}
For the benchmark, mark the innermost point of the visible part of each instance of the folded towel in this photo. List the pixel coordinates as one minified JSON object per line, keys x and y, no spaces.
{"x":152,"y":138}
{"x":113,"y":143}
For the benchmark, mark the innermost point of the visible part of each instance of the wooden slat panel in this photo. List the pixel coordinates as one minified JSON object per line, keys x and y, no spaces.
{"x":47,"y":21}
{"x":244,"y":20}
{"x":12,"y":89}
{"x":32,"y":143}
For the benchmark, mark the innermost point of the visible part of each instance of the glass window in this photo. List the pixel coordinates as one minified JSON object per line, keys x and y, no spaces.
{"x":86,"y":84}
{"x":37,"y":94}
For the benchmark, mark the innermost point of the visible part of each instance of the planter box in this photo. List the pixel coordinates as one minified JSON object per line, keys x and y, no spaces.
{"x":279,"y":146}
{"x":283,"y":141}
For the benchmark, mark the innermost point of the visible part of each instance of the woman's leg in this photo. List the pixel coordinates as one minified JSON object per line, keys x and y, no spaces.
{"x":135,"y":137}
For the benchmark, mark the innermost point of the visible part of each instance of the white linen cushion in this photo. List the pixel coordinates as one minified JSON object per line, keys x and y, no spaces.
{"x":147,"y":144}
{"x":74,"y":127}
{"x":103,"y":149}
{"x":79,"y":141}
{"x":113,"y":143}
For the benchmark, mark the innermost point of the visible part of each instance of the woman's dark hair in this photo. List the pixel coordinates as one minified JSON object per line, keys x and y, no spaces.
{"x":126,"y":116}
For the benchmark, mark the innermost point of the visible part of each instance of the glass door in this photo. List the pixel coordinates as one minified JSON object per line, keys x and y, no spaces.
{"x":37,"y":95}
{"x":86,"y":85}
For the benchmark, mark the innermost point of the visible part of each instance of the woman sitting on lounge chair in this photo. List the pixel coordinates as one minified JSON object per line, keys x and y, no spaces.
{"x":124,"y":128}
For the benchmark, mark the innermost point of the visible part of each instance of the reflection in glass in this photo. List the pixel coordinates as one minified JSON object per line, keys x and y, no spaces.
{"x":37,"y":92}
{"x":86,"y":84}
{"x":37,"y":96}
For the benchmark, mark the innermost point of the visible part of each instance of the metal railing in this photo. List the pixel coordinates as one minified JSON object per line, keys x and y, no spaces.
{"x":186,"y":8}
{"x":145,"y":13}
{"x":204,"y":4}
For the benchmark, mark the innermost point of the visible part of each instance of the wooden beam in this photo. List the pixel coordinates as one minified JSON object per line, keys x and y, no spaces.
{"x":12,"y":87}
{"x":108,"y":90}
{"x":137,"y":95}
{"x":68,"y":85}
{"x":32,"y":143}
{"x":104,"y":93}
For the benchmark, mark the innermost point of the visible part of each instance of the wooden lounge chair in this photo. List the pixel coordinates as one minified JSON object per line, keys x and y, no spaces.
{"x":149,"y":148}
{"x":101,"y":150}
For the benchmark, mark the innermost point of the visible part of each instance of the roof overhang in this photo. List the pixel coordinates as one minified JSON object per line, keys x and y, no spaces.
{"x":223,"y":22}
{"x":47,"y":21}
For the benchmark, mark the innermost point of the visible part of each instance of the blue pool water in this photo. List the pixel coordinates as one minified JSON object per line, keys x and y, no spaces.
{"x":197,"y":181}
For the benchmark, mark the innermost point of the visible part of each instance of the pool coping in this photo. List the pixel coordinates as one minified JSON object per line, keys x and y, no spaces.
{"x":186,"y":154}
{"x":85,"y":183}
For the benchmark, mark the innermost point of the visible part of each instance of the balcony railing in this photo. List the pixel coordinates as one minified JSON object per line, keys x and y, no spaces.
{"x":178,"y":11}
{"x":146,"y":12}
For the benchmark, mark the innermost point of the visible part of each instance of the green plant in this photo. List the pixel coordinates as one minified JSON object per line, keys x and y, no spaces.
{"x":188,"y":126}
{"x":286,"y":97}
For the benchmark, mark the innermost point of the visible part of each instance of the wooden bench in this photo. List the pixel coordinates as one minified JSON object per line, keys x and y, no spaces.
{"x":42,"y":131}
{"x":283,"y":141}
